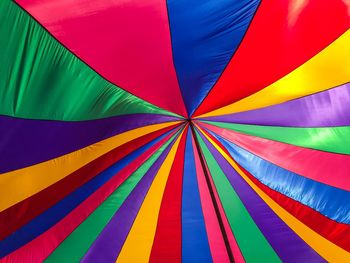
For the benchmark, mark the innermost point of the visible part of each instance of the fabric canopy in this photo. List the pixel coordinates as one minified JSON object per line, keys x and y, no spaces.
{"x":174,"y":131}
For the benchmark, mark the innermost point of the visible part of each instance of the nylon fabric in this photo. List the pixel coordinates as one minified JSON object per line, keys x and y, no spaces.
{"x":324,"y":109}
{"x":247,"y":234}
{"x":37,"y":136}
{"x":306,"y":191}
{"x":36,"y":204}
{"x":268,"y":53}
{"x":326,"y":249}
{"x":32,"y":60}
{"x":56,"y":212}
{"x":111,"y":239}
{"x":313,"y":164}
{"x":236,"y":252}
{"x":77,"y":244}
{"x":215,"y":237}
{"x":311,"y":77}
{"x":174,"y":131}
{"x":56,"y":235}
{"x":330,"y":139}
{"x":195,"y":246}
{"x":169,"y":220}
{"x":204,"y":38}
{"x":142,"y":233}
{"x":288,"y":246}
{"x":118,"y":39}
{"x":32,"y":179}
{"x":337,"y":233}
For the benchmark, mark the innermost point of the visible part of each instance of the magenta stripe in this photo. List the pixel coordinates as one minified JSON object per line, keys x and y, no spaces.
{"x":289,"y":246}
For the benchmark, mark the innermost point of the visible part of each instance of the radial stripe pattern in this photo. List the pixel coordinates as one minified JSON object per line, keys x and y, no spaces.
{"x":174,"y":131}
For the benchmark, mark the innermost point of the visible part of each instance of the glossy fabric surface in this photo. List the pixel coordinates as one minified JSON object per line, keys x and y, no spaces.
{"x":174,"y":131}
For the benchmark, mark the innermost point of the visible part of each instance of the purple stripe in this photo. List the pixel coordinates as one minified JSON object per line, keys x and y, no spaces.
{"x":289,"y":246}
{"x":325,"y":109}
{"x":26,"y":142}
{"x":109,"y":243}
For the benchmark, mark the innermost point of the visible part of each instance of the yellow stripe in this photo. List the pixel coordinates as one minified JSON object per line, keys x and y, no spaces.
{"x":327,"y":69}
{"x":20,"y":184}
{"x":324,"y":247}
{"x":138,"y":245}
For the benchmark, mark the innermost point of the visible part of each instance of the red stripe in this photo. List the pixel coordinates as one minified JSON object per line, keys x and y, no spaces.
{"x":237,"y":254}
{"x":167,"y":240}
{"x":18,"y":215}
{"x":214,"y":222}
{"x":313,"y":164}
{"x":39,"y":248}
{"x":280,"y":38}
{"x":337,"y":233}
{"x":199,"y":124}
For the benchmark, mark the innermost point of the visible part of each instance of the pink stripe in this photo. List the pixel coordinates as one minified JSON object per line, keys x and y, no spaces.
{"x":237,"y":254}
{"x":41,"y":247}
{"x":127,"y":41}
{"x":313,"y":164}
{"x":216,"y":241}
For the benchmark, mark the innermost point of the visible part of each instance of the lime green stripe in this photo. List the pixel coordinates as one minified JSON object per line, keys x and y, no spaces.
{"x":254,"y":246}
{"x":74,"y":247}
{"x":330,"y":139}
{"x":41,"y":79}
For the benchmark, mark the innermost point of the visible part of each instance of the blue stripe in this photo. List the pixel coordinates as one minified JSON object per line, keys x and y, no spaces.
{"x":205,"y":35}
{"x":54,"y":214}
{"x":195,"y":246}
{"x":330,"y":201}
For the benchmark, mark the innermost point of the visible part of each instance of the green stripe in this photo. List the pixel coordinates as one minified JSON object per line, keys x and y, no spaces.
{"x":330,"y":139}
{"x":254,"y":246}
{"x":74,"y":247}
{"x":41,"y":79}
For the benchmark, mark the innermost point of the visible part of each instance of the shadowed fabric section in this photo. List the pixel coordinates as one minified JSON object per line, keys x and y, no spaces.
{"x":46,"y":140}
{"x":324,"y":109}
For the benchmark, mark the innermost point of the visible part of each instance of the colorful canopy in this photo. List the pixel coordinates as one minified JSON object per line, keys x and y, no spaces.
{"x":174,"y":131}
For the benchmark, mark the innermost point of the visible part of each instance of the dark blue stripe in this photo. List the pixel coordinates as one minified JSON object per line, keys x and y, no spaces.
{"x":54,"y":214}
{"x":330,"y":201}
{"x":205,"y":35}
{"x":195,"y":246}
